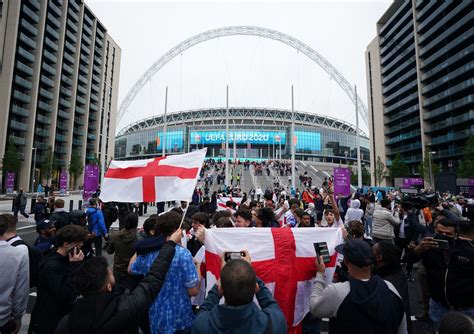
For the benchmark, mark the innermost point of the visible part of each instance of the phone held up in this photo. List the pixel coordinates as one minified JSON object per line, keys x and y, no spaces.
{"x":321,"y":249}
{"x":442,"y":244}
{"x":233,"y":256}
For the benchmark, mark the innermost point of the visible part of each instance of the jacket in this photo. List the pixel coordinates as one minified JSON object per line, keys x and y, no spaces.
{"x":383,"y":223}
{"x":373,"y":306}
{"x":221,"y":318}
{"x":354,"y":213}
{"x":95,"y":221}
{"x":60,"y":218}
{"x":55,"y":293}
{"x":41,"y":212}
{"x":122,"y":244}
{"x":109,"y":313}
{"x":20,"y":200}
{"x":451,"y":274}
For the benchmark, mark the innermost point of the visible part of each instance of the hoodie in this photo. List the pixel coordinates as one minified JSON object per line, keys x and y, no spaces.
{"x":354,"y":213}
{"x":122,"y":244}
{"x":359,"y":306}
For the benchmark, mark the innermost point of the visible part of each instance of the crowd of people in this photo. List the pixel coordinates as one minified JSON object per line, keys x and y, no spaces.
{"x":156,"y":285}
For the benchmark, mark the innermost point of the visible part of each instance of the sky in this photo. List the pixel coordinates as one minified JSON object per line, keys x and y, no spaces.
{"x":259,"y":71}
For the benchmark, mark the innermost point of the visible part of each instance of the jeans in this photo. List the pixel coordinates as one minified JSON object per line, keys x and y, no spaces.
{"x":97,"y":241}
{"x":368,"y":227}
{"x":438,"y":310}
{"x":22,"y":211}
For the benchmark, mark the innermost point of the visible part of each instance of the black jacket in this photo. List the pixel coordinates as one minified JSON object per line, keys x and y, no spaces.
{"x":450,"y":274}
{"x":55,"y":293}
{"x":110,"y":313}
{"x":60,"y":219}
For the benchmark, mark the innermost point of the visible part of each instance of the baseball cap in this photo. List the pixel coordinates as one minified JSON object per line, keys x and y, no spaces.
{"x":43,"y":225}
{"x":357,"y":252}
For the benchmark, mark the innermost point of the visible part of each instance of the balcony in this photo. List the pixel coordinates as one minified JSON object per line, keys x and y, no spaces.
{"x":82,"y":79}
{"x":403,"y":136}
{"x":59,"y":149}
{"x":80,"y":111}
{"x":402,"y":126}
{"x":467,"y":52}
{"x":72,"y":25}
{"x":54,"y":21}
{"x":42,"y":132}
{"x":74,"y":5}
{"x":73,"y":15}
{"x":68,"y":69}
{"x":88,"y":20}
{"x":62,"y":126}
{"x":51,"y":44}
{"x":61,"y":138}
{"x":23,"y":82}
{"x":43,"y":119}
{"x":46,"y":94}
{"x":81,"y":90}
{"x":66,"y":80}
{"x":449,"y":77}
{"x":468,"y":84}
{"x":404,"y":148}
{"x":21,"y":96}
{"x":98,"y":61}
{"x":90,"y":136}
{"x":71,"y":47}
{"x":85,"y":59}
{"x":99,"y":42}
{"x":78,"y":121}
{"x":451,"y":136}
{"x":71,"y":36}
{"x":87,"y":40}
{"x":18,"y":140}
{"x":55,"y":9}
{"x":51,"y":57}
{"x":100,"y":34}
{"x":96,"y":78}
{"x":51,"y":70}
{"x":433,"y":15}
{"x":450,"y":122}
{"x":63,"y":114}
{"x":410,"y":98}
{"x":407,"y":65}
{"x":28,"y":41}
{"x":400,"y":81}
{"x":91,"y":147}
{"x":28,"y":26}
{"x":30,"y":14}
{"x":95,"y":88}
{"x":65,"y":91}
{"x":94,"y":107}
{"x":48,"y":82}
{"x":87,"y":29}
{"x":81,"y":100}
{"x":65,"y":103}
{"x":26,"y":54}
{"x":78,"y":132}
{"x":45,"y":106}
{"x":19,"y":111}
{"x":84,"y":70}
{"x":52,"y":32}
{"x":18,"y":126}
{"x":396,"y":95}
{"x":450,"y":107}
{"x":93,"y":116}
{"x":69,"y":58}
{"x":77,"y":142}
{"x":95,"y":98}
{"x":85,"y":49}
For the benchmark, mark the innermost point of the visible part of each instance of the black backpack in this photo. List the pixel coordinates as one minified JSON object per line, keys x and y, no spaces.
{"x":35,"y":255}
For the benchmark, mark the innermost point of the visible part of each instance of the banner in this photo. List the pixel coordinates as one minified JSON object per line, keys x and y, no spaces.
{"x":342,"y":181}
{"x":10,"y":182}
{"x":91,"y":181}
{"x":63,"y":182}
{"x":412,"y":181}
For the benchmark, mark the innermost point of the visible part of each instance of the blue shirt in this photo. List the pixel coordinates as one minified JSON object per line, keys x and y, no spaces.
{"x":171,"y":311}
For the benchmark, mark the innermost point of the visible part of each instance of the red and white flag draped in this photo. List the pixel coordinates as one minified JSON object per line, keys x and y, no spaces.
{"x":222,"y":203}
{"x":284,"y":258}
{"x":161,"y":179}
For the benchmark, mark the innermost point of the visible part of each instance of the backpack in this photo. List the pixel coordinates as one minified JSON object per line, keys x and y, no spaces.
{"x":110,"y":213}
{"x":35,"y":255}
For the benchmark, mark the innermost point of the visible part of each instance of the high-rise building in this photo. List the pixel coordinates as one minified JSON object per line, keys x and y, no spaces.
{"x":59,"y":75}
{"x":420,"y":83}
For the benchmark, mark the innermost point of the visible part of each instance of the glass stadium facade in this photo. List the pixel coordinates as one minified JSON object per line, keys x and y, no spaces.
{"x":258,"y":134}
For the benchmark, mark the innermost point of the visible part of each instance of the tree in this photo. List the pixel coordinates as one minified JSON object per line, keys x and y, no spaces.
{"x":354,"y":175}
{"x":399,"y":168}
{"x":49,"y":164}
{"x":11,"y":159}
{"x":466,"y":166}
{"x":380,"y":173}
{"x":76,"y":166}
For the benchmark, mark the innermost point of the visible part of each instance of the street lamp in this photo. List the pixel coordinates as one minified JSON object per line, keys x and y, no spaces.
{"x":430,"y":153}
{"x":33,"y":170}
{"x":346,"y":154}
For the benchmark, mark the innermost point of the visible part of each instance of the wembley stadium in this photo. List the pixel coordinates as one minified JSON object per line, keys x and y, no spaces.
{"x":259,"y":133}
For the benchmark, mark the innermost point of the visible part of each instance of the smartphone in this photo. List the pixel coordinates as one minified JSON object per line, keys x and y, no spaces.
{"x":442,"y":244}
{"x":233,"y":256}
{"x":73,"y":250}
{"x":321,"y":249}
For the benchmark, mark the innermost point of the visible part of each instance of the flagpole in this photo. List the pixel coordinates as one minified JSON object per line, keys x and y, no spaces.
{"x":184,"y":215}
{"x":359,"y":166}
{"x":163,"y":153}
{"x":226,"y":182}
{"x":292,"y":141}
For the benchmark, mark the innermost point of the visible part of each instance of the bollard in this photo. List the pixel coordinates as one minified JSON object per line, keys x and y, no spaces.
{"x":140,"y":209}
{"x":13,"y":205}
{"x":145,"y":209}
{"x":71,"y":205}
{"x":79,"y":207}
{"x":33,"y":202}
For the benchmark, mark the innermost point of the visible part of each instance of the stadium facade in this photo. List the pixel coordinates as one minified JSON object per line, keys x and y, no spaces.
{"x":259,"y":134}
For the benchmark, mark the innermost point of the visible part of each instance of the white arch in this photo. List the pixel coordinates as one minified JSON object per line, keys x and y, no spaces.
{"x":247,"y":31}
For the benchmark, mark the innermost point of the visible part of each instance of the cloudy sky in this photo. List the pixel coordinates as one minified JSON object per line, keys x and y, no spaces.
{"x":259,"y":71}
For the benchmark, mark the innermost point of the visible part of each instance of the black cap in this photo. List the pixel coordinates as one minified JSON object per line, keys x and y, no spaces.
{"x":43,"y":225}
{"x":357,"y":252}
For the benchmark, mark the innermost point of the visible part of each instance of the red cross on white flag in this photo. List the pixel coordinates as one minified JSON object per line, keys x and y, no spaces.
{"x":161,"y":179}
{"x":284,"y":258}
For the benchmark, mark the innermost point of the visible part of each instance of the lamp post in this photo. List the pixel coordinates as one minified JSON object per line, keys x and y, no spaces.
{"x":346,"y":154}
{"x":33,"y":170}
{"x":430,"y":153}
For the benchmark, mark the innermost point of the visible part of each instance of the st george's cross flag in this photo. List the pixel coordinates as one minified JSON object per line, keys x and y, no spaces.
{"x":284,"y":258}
{"x":222,"y":203}
{"x":169,"y":178}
